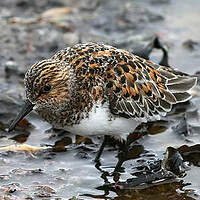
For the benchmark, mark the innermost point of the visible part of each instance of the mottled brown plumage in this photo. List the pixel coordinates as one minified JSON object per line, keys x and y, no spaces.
{"x":82,"y":75}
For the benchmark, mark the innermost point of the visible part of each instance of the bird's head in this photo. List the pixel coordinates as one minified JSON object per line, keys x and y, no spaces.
{"x":46,"y":81}
{"x":47,"y":86}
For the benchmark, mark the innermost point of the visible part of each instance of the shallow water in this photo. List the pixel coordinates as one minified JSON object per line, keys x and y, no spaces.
{"x":71,"y":172}
{"x":181,"y":24}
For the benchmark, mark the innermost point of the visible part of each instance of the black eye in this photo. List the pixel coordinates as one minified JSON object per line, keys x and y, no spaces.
{"x":46,"y":88}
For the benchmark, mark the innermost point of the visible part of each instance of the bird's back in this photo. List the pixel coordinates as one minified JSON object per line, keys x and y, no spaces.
{"x":134,"y":87}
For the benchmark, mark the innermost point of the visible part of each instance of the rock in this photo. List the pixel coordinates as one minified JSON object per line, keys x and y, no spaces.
{"x":173,"y":161}
{"x":43,"y":191}
{"x":190,"y":44}
{"x":11,"y":68}
{"x":26,"y":172}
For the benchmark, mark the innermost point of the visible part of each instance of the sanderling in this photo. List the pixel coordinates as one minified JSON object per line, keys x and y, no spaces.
{"x":96,"y":89}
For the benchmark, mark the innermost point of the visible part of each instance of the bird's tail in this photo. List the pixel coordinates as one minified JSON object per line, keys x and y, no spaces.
{"x":179,"y":84}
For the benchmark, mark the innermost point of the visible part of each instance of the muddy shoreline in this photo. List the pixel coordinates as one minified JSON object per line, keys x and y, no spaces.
{"x":35,"y":30}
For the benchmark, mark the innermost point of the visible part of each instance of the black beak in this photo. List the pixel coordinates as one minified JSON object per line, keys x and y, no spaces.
{"x":27,"y":108}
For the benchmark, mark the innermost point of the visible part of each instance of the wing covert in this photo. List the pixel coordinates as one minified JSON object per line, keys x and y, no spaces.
{"x":145,"y":91}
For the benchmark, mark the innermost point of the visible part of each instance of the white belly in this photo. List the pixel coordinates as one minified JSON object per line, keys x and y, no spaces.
{"x":101,"y":122}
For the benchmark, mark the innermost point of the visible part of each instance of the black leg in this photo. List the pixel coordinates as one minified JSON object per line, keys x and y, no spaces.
{"x":101,"y":148}
{"x":122,"y":156}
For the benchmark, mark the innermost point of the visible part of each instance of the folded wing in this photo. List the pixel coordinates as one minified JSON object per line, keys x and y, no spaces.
{"x":143,"y":90}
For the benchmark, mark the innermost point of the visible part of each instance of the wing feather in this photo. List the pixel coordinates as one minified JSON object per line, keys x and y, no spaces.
{"x":147,"y":91}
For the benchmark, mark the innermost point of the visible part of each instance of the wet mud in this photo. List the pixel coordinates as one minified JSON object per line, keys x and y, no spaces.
{"x":38,"y":162}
